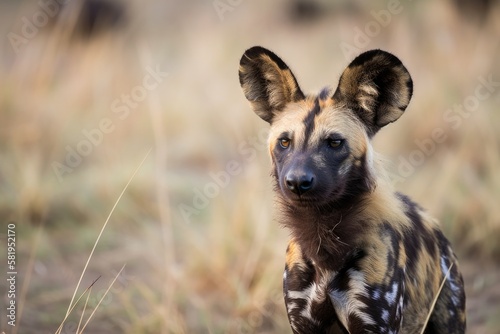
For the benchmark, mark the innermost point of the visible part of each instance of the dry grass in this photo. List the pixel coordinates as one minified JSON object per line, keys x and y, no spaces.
{"x":219,"y":272}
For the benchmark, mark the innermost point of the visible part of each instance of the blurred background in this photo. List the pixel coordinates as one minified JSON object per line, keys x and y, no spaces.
{"x":88,"y":88}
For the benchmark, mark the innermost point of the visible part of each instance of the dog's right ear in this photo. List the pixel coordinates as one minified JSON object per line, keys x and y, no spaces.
{"x":267,"y":82}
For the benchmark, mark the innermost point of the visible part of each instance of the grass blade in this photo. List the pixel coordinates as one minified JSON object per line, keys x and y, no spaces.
{"x":59,"y":329}
{"x":83,"y":311}
{"x":102,"y":230}
{"x":102,"y":298}
{"x":435,"y":299}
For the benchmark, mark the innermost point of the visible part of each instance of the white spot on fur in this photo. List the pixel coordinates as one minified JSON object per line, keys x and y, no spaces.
{"x":385,"y":315}
{"x":444,"y":267}
{"x":291,"y":306}
{"x":454,"y":287}
{"x":347,"y":302}
{"x":304,"y":294}
{"x":456,"y":291}
{"x":313,"y":293}
{"x":390,"y":296}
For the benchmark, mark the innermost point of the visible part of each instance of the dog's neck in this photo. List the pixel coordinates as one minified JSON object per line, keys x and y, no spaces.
{"x":326,"y":234}
{"x":330,"y":234}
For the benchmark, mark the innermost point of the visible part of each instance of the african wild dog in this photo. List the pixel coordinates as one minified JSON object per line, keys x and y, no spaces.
{"x":362,"y":258}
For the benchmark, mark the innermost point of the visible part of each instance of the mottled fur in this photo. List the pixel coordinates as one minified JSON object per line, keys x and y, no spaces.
{"x":362,"y":257}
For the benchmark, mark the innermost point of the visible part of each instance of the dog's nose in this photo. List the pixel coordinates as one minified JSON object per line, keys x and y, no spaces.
{"x":299,"y":183}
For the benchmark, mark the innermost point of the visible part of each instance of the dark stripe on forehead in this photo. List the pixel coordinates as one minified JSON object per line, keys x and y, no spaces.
{"x":309,"y":120}
{"x":324,"y":94}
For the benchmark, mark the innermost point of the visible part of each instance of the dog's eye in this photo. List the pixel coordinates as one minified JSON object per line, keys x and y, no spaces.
{"x":284,"y":142}
{"x":335,"y":143}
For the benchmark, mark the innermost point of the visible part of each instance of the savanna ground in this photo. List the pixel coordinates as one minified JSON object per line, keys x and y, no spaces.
{"x":201,"y":250}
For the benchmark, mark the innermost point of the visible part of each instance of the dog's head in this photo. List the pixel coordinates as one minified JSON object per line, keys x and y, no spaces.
{"x":320,"y":144}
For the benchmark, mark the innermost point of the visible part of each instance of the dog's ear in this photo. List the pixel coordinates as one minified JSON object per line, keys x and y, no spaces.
{"x":377,"y":87}
{"x":267,"y":82}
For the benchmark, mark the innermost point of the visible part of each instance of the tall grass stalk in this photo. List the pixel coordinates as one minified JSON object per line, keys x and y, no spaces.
{"x":84,"y":309}
{"x":435,"y":299}
{"x":100,"y":300}
{"x":70,"y":306}
{"x":59,"y":329}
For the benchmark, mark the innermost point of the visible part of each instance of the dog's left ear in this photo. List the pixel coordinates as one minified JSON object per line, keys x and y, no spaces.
{"x":377,"y":87}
